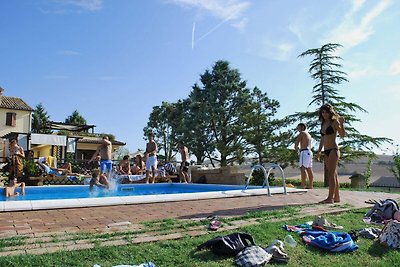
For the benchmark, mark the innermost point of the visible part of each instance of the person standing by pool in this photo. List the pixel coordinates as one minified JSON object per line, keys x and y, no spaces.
{"x":303,"y":142}
{"x":185,"y":162}
{"x":104,"y":153}
{"x":331,"y":125}
{"x":151,"y":158}
{"x":17,"y":155}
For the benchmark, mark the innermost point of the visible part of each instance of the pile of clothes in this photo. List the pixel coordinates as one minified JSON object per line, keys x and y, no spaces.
{"x":246,"y":252}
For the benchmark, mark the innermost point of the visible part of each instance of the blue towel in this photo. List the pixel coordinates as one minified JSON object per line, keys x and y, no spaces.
{"x":329,"y":241}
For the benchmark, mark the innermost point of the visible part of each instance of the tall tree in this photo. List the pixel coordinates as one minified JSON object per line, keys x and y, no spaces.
{"x":325,"y":70}
{"x":163,"y":121}
{"x":223,"y":94}
{"x":261,"y":129}
{"x":193,"y":132}
{"x":40,"y":120}
{"x":75,"y":118}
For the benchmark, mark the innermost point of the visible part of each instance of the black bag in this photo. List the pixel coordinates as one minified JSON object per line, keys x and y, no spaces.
{"x":382,"y":209}
{"x":228,"y":245}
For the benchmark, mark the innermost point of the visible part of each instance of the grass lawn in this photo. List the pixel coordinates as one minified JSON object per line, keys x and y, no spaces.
{"x":180,"y":252}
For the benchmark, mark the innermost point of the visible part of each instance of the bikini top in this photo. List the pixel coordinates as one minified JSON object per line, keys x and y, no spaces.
{"x":329,"y":130}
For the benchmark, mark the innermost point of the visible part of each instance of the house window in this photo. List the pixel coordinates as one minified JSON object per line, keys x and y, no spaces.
{"x":11,"y":119}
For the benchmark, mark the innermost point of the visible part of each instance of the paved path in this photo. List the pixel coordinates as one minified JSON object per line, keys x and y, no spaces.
{"x":98,"y":219}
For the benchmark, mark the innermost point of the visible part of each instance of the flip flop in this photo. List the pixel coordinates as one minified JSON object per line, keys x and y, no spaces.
{"x":214,"y":223}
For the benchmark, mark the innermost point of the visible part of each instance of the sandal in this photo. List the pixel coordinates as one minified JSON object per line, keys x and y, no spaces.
{"x":214,"y":223}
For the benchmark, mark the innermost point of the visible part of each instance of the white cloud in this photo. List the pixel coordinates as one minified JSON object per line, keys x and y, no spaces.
{"x":68,"y":53}
{"x":394,"y":69}
{"x":227,"y":10}
{"x":64,"y":6}
{"x":359,"y":73}
{"x":353,"y":30}
{"x":277,"y":51}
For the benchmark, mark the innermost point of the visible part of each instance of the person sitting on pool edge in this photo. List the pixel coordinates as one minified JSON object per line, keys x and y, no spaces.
{"x":9,"y":190}
{"x":99,"y":180}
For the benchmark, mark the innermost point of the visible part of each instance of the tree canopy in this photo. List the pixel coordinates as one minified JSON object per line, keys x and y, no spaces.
{"x":40,"y":120}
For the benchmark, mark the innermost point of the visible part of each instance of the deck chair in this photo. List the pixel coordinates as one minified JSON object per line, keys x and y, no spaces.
{"x":57,"y":173}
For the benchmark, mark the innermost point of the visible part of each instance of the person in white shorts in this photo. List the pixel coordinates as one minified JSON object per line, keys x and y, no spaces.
{"x":303,"y":148}
{"x":151,"y":158}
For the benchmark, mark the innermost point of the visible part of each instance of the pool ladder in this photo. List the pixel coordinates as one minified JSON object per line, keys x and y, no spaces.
{"x":270,"y":167}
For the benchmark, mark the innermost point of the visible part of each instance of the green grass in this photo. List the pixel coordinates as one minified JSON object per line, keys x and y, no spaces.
{"x":180,"y":252}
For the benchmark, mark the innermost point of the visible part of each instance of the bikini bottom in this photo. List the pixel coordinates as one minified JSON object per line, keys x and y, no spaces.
{"x":328,"y":151}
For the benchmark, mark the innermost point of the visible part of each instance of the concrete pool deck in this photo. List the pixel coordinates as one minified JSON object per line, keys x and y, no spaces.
{"x":123,"y":218}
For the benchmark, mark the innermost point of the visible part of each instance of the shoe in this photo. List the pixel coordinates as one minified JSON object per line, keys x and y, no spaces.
{"x":277,"y":254}
{"x":277,"y":243}
{"x":214,"y":223}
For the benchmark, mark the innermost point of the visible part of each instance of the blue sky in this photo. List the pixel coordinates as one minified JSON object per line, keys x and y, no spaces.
{"x":113,"y":60}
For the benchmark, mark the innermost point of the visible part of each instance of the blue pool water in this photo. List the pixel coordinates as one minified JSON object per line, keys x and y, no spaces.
{"x":82,"y":191}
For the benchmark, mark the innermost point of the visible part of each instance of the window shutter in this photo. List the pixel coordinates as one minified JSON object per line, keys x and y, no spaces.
{"x":11,"y":119}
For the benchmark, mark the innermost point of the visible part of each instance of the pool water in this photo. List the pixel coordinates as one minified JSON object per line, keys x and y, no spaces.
{"x":82,"y":191}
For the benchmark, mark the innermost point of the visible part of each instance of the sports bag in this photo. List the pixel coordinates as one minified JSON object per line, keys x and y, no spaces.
{"x":382,"y":210}
{"x":229,"y":245}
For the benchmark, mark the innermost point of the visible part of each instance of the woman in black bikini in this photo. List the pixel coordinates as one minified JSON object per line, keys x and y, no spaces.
{"x":331,"y":125}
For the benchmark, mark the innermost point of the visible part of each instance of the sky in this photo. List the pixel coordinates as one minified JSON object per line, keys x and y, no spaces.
{"x":114,"y":60}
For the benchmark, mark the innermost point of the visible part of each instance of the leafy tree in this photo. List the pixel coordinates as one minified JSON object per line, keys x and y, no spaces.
{"x":222,"y":95}
{"x":325,"y":70}
{"x":40,"y":119}
{"x":261,"y":129}
{"x":193,"y":131}
{"x":75,"y":119}
{"x":163,"y":123}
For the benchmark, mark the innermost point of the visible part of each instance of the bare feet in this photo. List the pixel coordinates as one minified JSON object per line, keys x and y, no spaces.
{"x":327,"y":201}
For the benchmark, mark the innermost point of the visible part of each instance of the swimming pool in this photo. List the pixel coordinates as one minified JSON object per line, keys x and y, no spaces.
{"x":55,"y":197}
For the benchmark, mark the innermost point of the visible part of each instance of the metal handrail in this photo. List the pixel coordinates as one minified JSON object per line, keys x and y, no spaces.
{"x":270,"y":167}
{"x":265,"y":178}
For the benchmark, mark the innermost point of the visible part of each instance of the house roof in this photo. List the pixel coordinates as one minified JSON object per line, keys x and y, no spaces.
{"x":16,"y":103}
{"x":98,"y":140}
{"x":385,"y":181}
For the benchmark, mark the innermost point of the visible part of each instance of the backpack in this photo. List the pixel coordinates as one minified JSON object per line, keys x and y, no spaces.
{"x":229,"y":245}
{"x":382,"y":210}
{"x":390,"y":235}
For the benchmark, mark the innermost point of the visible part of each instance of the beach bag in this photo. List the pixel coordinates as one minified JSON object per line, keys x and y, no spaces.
{"x":390,"y":235}
{"x":229,"y":245}
{"x":382,"y":210}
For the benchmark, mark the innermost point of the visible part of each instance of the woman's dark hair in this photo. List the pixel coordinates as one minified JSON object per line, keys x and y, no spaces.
{"x":328,"y":108}
{"x":125,"y":157}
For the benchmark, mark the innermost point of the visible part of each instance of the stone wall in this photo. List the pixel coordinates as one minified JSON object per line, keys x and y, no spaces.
{"x":232,"y":175}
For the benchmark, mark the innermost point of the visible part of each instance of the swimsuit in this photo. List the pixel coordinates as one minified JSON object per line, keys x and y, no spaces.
{"x":305,"y":158}
{"x":329,"y":130}
{"x":328,"y":151}
{"x":151,"y":162}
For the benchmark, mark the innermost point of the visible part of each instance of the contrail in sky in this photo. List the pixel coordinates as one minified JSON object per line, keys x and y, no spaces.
{"x":194,"y":27}
{"x":213,"y":29}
